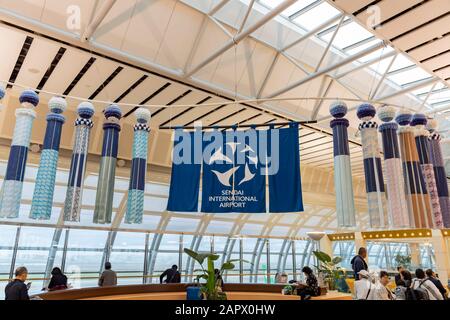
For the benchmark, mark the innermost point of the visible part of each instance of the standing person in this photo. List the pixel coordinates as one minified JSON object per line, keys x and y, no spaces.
{"x":108,"y":277}
{"x":358,"y":262}
{"x":422,"y":282}
{"x":17,"y":289}
{"x":364,"y":288}
{"x":385,"y":292}
{"x":172,"y":275}
{"x":398,"y":277}
{"x":58,"y":280}
{"x":433,"y":278}
{"x":311,"y":289}
{"x":402,"y":292}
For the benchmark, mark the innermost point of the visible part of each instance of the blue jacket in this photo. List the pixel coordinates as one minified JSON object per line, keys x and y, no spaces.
{"x":358,"y":264}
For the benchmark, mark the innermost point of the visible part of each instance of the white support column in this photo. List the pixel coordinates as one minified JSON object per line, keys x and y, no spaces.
{"x":326,"y":245}
{"x":360,"y":242}
{"x":441,"y":254}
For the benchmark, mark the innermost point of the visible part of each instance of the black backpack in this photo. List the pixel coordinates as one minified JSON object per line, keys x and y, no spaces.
{"x":417,"y":294}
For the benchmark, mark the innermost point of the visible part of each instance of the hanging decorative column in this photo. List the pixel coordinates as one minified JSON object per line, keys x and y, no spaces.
{"x":372,"y":167}
{"x":106,"y":177}
{"x":423,"y":149}
{"x":11,"y":192}
{"x":83,"y":125}
{"x":42,"y":203}
{"x":417,"y":197}
{"x":439,"y":171}
{"x":395,"y":183}
{"x":345,"y":206}
{"x":135,"y":202}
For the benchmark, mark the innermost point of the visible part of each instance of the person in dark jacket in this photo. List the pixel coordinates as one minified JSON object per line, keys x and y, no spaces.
{"x":58,"y":280}
{"x":311,"y":289}
{"x":433,"y":278}
{"x":17,"y":289}
{"x":398,"y":277}
{"x":358,"y":262}
{"x":172,"y":275}
{"x":108,"y":277}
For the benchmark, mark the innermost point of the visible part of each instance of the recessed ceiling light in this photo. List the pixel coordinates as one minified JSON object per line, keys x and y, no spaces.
{"x":33,"y":70}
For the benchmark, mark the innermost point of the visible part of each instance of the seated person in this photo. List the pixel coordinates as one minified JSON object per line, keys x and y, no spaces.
{"x":281,"y":277}
{"x":311,"y":289}
{"x":58,"y":280}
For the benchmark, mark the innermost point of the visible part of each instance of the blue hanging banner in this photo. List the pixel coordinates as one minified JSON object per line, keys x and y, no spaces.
{"x":285,"y":189}
{"x":186,"y":165}
{"x":235,"y":165}
{"x":233,"y":178}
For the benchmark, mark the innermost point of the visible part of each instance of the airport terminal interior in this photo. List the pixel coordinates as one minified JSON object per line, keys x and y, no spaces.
{"x":366,"y":82}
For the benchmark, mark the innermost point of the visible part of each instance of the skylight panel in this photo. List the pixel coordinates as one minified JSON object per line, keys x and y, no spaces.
{"x":439,"y":97}
{"x":271,"y":3}
{"x":401,"y":61}
{"x":347,"y":35}
{"x":296,"y":7}
{"x":376,"y":54}
{"x":408,"y":76}
{"x":424,"y":91}
{"x":316,"y":16}
{"x":358,"y":48}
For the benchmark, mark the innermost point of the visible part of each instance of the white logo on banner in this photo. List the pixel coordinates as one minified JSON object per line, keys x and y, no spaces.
{"x":225,"y":177}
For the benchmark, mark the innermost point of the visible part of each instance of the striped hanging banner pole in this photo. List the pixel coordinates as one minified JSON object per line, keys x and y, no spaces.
{"x":135,"y":201}
{"x":419,"y":121}
{"x":372,"y":167}
{"x":83,"y":125}
{"x":42,"y":203}
{"x":417,"y":197}
{"x":395,"y":183}
{"x":11,"y":192}
{"x":345,"y":206}
{"x":105,"y":185}
{"x":439,"y":171}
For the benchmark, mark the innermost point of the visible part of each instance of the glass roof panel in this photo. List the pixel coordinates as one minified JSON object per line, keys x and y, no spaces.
{"x":182,"y":224}
{"x":423,"y":91}
{"x":362,"y":47}
{"x":439,"y":97}
{"x":347,"y":35}
{"x":409,"y":76}
{"x":219,"y":226}
{"x":316,"y":16}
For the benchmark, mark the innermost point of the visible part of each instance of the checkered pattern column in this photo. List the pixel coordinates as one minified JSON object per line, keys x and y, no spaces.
{"x":42,"y":203}
{"x":11,"y":192}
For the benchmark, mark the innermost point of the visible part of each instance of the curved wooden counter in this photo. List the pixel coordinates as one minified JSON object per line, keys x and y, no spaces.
{"x":178,"y":292}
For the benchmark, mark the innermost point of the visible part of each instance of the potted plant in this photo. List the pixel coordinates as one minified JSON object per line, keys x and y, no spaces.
{"x":211,"y":289}
{"x":329,"y":268}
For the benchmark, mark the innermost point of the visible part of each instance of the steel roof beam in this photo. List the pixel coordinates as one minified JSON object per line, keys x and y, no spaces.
{"x":240,"y":36}
{"x":93,"y":25}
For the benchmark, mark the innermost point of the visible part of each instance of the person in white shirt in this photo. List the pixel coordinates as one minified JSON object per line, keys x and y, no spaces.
{"x":384,"y":292}
{"x":365,"y":289}
{"x":421,"y":281}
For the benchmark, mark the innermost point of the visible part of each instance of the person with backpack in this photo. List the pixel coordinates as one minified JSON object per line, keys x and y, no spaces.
{"x":358,"y":262}
{"x":424,"y":287}
{"x":365,"y":289}
{"x":172,"y":275}
{"x":433,"y":278}
{"x":403,"y":289}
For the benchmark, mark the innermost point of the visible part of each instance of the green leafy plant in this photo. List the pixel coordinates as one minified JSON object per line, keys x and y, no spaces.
{"x":403,"y":260}
{"x":211,"y":289}
{"x":330,"y":268}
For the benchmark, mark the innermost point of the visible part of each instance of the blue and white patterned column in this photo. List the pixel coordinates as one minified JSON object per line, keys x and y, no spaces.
{"x":42,"y":203}
{"x":395,"y":183}
{"x":419,"y":121}
{"x":372,"y":167}
{"x":106,"y":177}
{"x":83,"y":125}
{"x":345,"y":206}
{"x":439,"y":171}
{"x":11,"y":192}
{"x":135,"y":202}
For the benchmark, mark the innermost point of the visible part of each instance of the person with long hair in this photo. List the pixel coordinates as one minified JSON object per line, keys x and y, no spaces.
{"x":58,"y":280}
{"x":311,"y":288}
